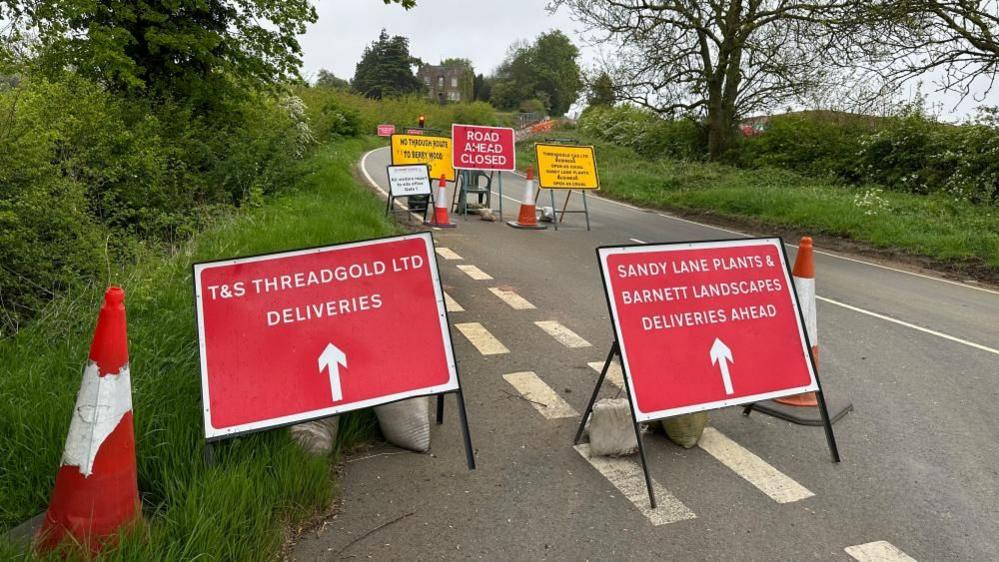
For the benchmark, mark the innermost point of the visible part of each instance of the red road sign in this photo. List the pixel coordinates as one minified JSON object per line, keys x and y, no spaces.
{"x":386,"y":130}
{"x":704,"y":325}
{"x":483,"y":148}
{"x":415,"y":131}
{"x":310,"y":333}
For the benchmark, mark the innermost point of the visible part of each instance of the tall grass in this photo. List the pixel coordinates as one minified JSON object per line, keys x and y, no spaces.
{"x":955,"y":232}
{"x":233,"y":509}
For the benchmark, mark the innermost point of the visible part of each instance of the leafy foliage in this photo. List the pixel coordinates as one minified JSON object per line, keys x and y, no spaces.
{"x":327,"y":79}
{"x":545,"y":70}
{"x":644,"y":132}
{"x":601,"y":91}
{"x":386,"y":69}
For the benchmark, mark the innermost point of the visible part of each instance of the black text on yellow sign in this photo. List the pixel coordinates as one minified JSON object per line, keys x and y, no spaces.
{"x":566,"y":167}
{"x":420,"y":149}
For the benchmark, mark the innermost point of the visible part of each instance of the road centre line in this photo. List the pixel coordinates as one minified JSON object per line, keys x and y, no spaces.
{"x":563,"y":335}
{"x":637,"y":241}
{"x":614,"y":374}
{"x":447,"y":253}
{"x":878,"y":551}
{"x":910,"y":325}
{"x":545,"y":400}
{"x":479,"y":336}
{"x":626,"y":475}
{"x":772,"y":482}
{"x":511,"y":298}
{"x":474,"y":272}
{"x":451,"y":304}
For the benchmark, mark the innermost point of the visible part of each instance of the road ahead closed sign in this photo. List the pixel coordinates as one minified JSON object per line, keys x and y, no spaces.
{"x":563,"y":166}
{"x":704,"y":325}
{"x":484,"y":148}
{"x":418,"y":149}
{"x":310,"y":333}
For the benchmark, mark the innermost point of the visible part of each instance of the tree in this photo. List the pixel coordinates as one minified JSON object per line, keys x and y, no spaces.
{"x":327,"y":79}
{"x":545,"y":70}
{"x":482,"y":88}
{"x":181,"y":48}
{"x":719,"y":60}
{"x":386,"y":68}
{"x":909,"y":38}
{"x":601,"y":91}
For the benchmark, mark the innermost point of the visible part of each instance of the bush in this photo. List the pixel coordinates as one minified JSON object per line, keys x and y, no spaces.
{"x":644,"y":132}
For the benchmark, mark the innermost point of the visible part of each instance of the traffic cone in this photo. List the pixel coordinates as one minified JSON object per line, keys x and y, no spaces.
{"x":804,"y":284}
{"x":441,"y":220}
{"x":96,"y":490}
{"x":528,"y":218}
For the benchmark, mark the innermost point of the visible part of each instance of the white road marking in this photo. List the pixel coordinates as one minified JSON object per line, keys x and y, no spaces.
{"x":878,"y":551}
{"x":479,"y":336}
{"x":910,"y":325}
{"x":475,"y":273}
{"x":511,"y":298}
{"x":545,"y":400}
{"x":447,"y":253}
{"x":451,"y":304}
{"x":637,"y":241}
{"x":564,"y":335}
{"x":614,"y":374}
{"x":626,"y":475}
{"x":772,"y":482}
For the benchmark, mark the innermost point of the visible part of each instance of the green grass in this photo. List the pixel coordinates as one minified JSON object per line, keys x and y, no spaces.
{"x":236,"y":509}
{"x":955,"y":233}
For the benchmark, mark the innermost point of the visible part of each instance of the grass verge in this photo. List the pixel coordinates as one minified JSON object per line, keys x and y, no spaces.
{"x":954,"y":234}
{"x":237,"y":508}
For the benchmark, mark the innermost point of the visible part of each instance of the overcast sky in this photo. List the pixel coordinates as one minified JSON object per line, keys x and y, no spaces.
{"x":480,"y":30}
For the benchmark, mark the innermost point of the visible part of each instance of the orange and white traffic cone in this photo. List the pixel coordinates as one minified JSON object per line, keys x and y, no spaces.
{"x":96,"y":490}
{"x":804,"y":284}
{"x":528,"y":218}
{"x":441,"y":220}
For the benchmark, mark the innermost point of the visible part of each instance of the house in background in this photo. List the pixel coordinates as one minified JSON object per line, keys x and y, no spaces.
{"x":447,"y":82}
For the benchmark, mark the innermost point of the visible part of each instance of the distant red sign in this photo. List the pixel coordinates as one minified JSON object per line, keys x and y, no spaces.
{"x":483,"y":148}
{"x":704,"y":325}
{"x":386,"y":130}
{"x":311,"y":333}
{"x":414,"y":131}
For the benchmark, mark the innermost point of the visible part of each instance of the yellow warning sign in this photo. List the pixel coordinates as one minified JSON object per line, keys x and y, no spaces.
{"x":419,"y":149}
{"x":563,"y":166}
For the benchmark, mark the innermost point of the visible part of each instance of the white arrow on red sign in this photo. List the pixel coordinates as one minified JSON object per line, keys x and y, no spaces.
{"x":332,"y":358}
{"x":722,"y":356}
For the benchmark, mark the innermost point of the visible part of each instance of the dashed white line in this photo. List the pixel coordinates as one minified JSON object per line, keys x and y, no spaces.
{"x":614,"y":374}
{"x":479,"y":336}
{"x":451,"y":304}
{"x":772,"y":482}
{"x":475,"y":273}
{"x":545,"y":400}
{"x":626,"y":475}
{"x":511,"y":298}
{"x":910,"y":325}
{"x":878,"y":551}
{"x":563,"y":335}
{"x":447,"y":253}
{"x":637,"y":241}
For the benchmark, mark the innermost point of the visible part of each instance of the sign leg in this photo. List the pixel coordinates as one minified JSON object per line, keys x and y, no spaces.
{"x":440,"y":409}
{"x":469,"y":453}
{"x":827,"y":423}
{"x":638,"y":437}
{"x":208,"y":455}
{"x":596,"y":391}
{"x":565,"y":206}
{"x":554,"y":209}
{"x":388,"y":205}
{"x":500,"y":180}
{"x":586,"y":210}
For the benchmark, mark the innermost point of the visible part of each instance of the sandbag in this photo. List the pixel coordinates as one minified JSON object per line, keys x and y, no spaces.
{"x":316,"y":437}
{"x":685,"y":430}
{"x":612,"y":432}
{"x":406,"y":423}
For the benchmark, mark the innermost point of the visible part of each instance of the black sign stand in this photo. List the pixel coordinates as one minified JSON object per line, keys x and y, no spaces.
{"x":565,"y":208}
{"x":391,"y":198}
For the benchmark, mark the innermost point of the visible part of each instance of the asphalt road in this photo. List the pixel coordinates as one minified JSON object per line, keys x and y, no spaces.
{"x":916,"y":355}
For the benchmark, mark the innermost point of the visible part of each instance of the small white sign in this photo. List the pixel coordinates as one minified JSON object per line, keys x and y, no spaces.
{"x":410,"y":179}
